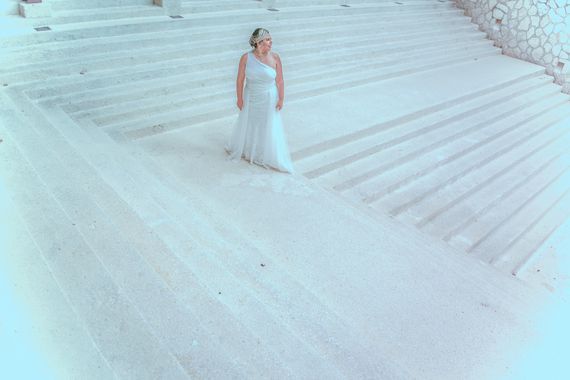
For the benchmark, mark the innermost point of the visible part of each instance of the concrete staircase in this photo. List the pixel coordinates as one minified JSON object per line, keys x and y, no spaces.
{"x":111,"y":157}
{"x":485,"y":171}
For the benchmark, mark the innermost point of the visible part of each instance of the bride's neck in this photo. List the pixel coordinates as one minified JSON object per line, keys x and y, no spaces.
{"x":260,"y":54}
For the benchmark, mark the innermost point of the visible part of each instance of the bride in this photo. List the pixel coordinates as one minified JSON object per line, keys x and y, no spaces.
{"x":258,"y":134}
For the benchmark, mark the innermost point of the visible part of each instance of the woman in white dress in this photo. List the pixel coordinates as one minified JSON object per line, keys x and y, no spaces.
{"x":258,"y":134}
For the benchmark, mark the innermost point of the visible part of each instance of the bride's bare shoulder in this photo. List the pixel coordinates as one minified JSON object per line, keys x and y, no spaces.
{"x":243,"y":60}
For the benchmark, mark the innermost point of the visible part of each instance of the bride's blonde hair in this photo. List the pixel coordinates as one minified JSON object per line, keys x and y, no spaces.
{"x":257,"y":36}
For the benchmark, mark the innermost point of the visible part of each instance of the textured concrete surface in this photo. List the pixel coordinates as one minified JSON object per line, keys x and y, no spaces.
{"x":134,"y":249}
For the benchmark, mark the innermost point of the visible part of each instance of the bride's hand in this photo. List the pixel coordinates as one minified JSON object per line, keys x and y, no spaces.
{"x":279,"y":105}
{"x":240,"y":104}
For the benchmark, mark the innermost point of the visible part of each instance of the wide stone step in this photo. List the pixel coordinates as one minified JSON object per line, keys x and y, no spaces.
{"x":184,"y":119}
{"x":219,"y":28}
{"x":114,"y":322}
{"x":504,"y":74}
{"x":416,"y":157}
{"x":543,"y":212}
{"x":463,"y":210}
{"x":482,"y":153}
{"x":202,"y":147}
{"x":221,"y":78}
{"x":195,"y":93}
{"x":83,"y":74}
{"x":424,"y":153}
{"x":173,"y":229}
{"x":503,"y":153}
{"x":293,"y":32}
{"x":148,"y":25}
{"x":200,"y":260}
{"x":120,"y":45}
{"x":193,"y":357}
{"x":443,"y":170}
{"x":131,"y":96}
{"x":389,"y":135}
{"x":541,"y":236}
{"x":94,"y":15}
{"x":47,"y":331}
{"x":61,"y":5}
{"x":533,"y":174}
{"x":182,"y":53}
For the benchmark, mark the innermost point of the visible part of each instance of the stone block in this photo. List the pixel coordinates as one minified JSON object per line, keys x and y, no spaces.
{"x":171,"y":7}
{"x":34,"y":10}
{"x":499,"y":13}
{"x":564,"y":67}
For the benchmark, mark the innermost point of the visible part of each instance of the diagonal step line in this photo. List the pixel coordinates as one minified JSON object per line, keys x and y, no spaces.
{"x":302,"y":77}
{"x":335,"y":142}
{"x":160,"y":25}
{"x":370,"y":174}
{"x":296,"y":86}
{"x":417,"y":175}
{"x":523,"y":263}
{"x":467,"y":194}
{"x":183,"y":27}
{"x":15,"y":154}
{"x":502,"y":197}
{"x":516,"y":238}
{"x":105,"y":267}
{"x":153,"y":328}
{"x":59,"y":67}
{"x":110,"y":44}
{"x":272,"y":290}
{"x":157,"y":69}
{"x":521,"y":207}
{"x":181,"y":30}
{"x":228,"y":267}
{"x":151,"y":69}
{"x":413,"y":134}
{"x":398,"y":210}
{"x":53,"y":272}
{"x":192,"y":272}
{"x":489,"y":181}
{"x":146,"y":132}
{"x":231,"y":255}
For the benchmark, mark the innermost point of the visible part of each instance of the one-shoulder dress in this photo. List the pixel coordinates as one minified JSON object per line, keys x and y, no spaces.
{"x":258,"y":133}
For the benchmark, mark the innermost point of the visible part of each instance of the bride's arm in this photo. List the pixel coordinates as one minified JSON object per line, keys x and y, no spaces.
{"x":240,"y":80}
{"x":279,"y":81}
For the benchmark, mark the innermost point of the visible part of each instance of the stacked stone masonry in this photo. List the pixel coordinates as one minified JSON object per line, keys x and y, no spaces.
{"x":537,"y":31}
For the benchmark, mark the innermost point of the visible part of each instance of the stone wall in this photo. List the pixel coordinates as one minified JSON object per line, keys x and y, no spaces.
{"x":537,"y":31}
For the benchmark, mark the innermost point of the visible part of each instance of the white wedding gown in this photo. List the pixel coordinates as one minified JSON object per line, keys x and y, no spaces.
{"x":258,"y":134}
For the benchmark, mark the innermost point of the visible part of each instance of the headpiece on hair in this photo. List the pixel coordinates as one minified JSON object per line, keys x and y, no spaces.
{"x":257,"y":36}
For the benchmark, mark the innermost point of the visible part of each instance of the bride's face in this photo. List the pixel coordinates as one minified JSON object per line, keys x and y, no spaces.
{"x":265,"y":45}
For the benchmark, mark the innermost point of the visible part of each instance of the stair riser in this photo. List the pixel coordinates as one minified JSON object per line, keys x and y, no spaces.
{"x":107,"y":111}
{"x":527,"y":140}
{"x":174,"y":31}
{"x":332,"y":17}
{"x":294,"y":94}
{"x":178,"y":213}
{"x":71,"y":91}
{"x":61,"y":5}
{"x":80,"y":54}
{"x":483,"y":201}
{"x":461,"y":114}
{"x":447,"y":134}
